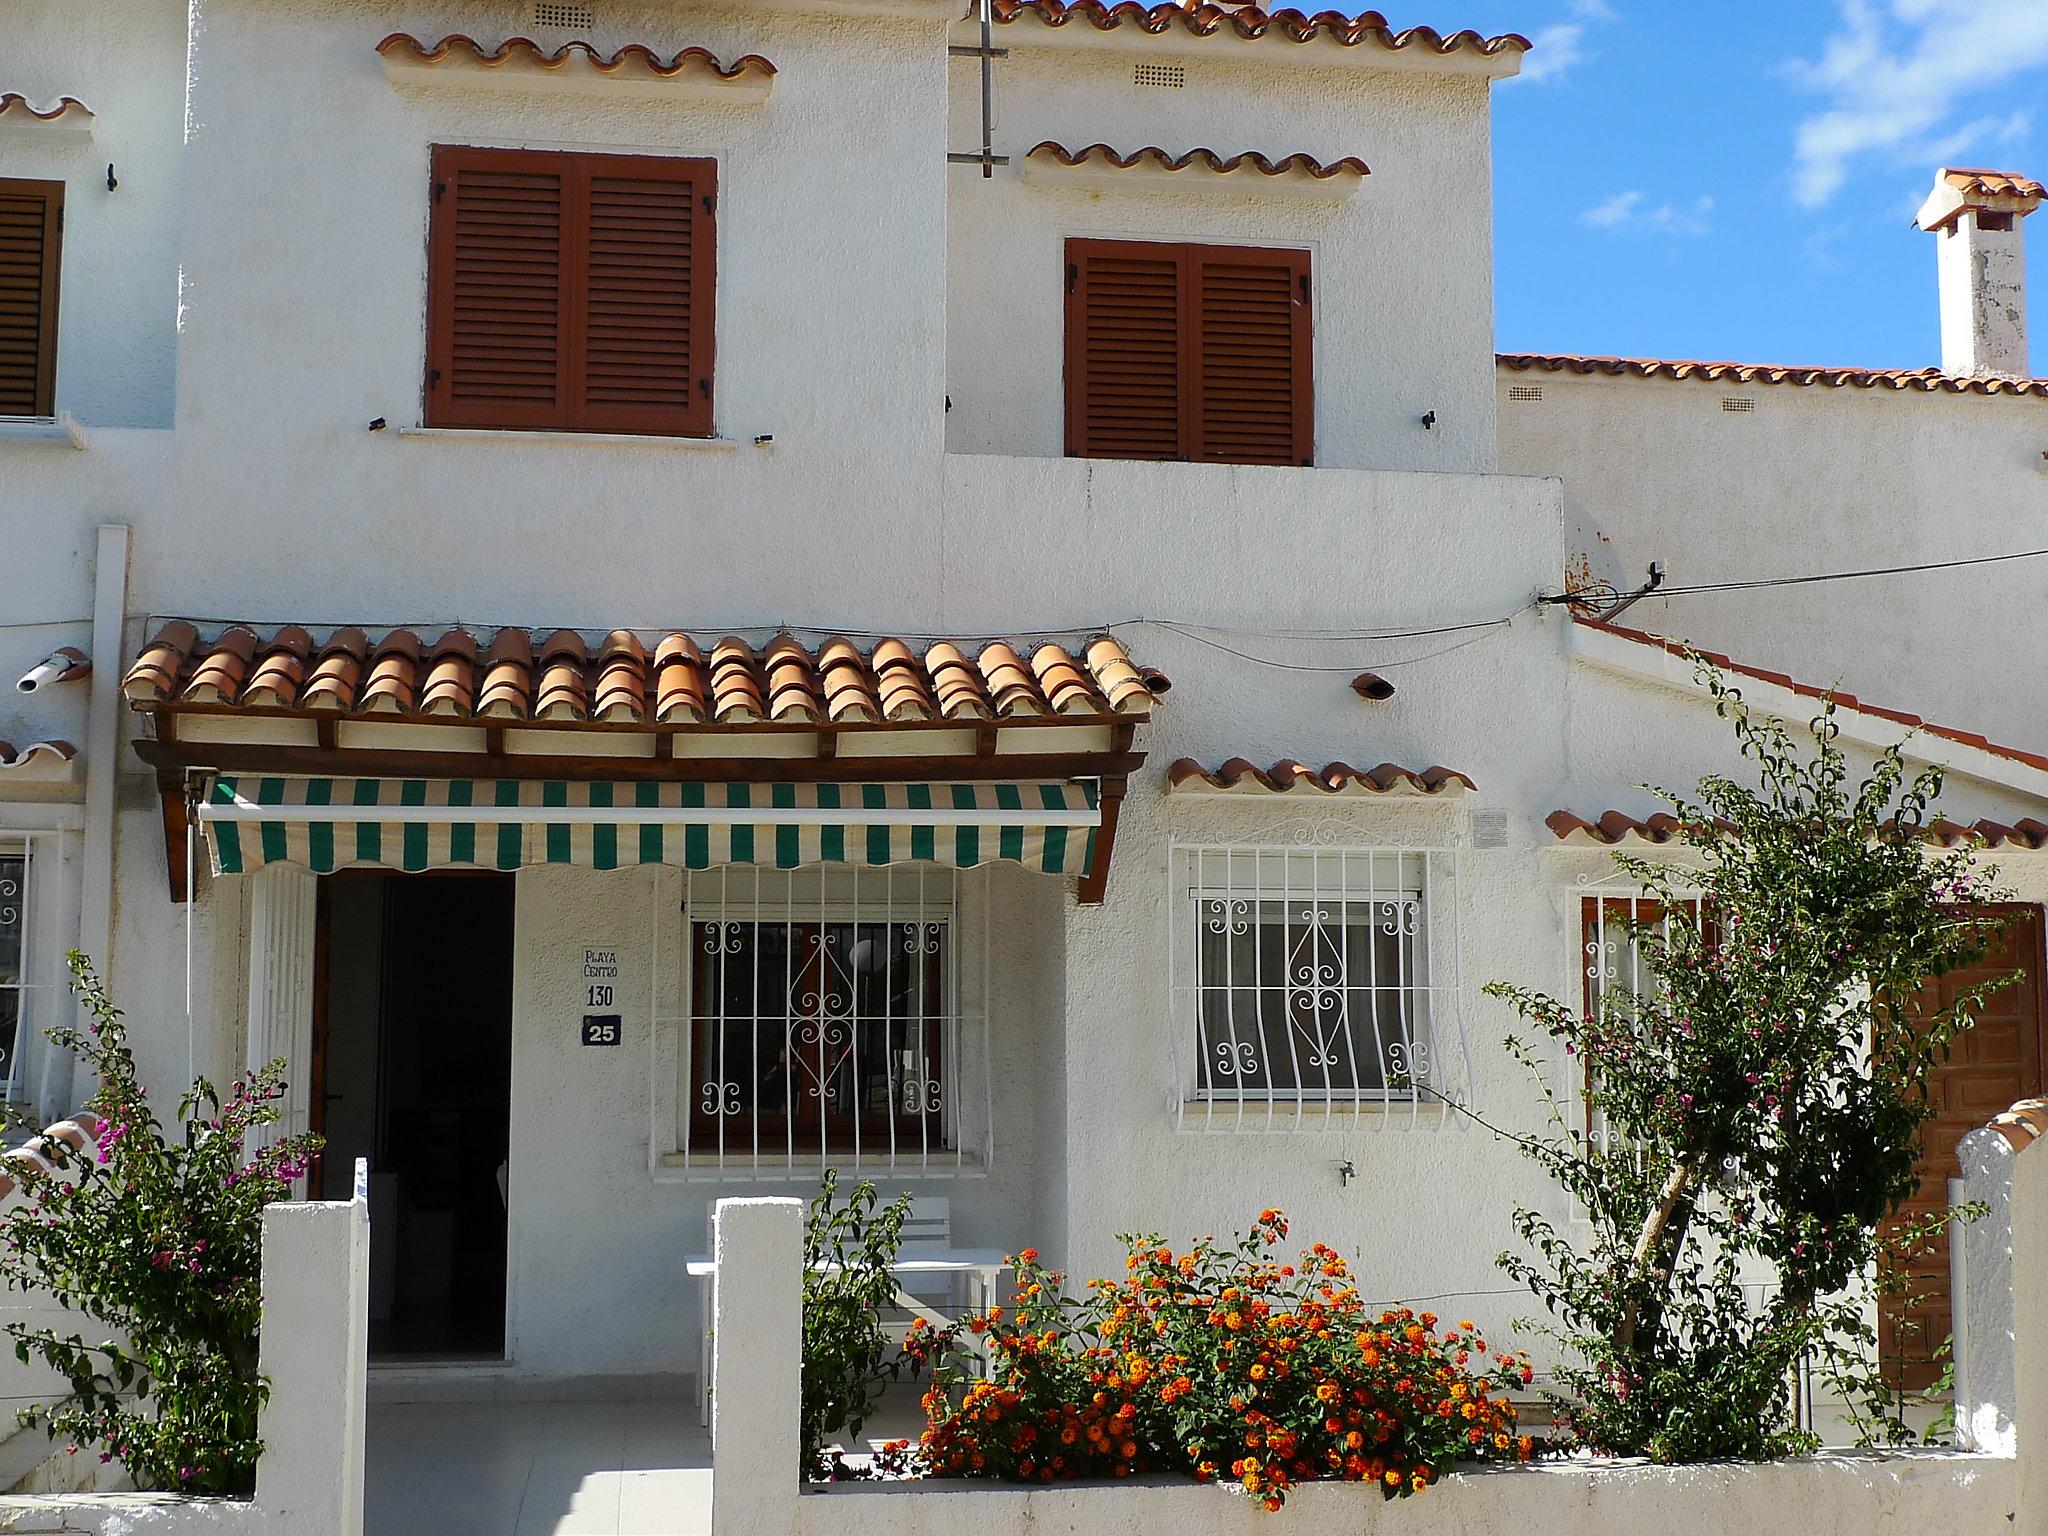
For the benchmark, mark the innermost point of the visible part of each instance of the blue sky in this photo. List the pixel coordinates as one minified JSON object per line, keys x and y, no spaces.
{"x":1736,"y":180}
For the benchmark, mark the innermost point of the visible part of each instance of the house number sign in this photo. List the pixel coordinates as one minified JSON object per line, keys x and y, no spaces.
{"x":600,"y":995}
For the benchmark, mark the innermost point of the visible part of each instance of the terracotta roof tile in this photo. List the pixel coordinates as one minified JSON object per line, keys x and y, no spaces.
{"x":635,"y":60}
{"x":622,"y":680}
{"x":1925,"y":380}
{"x":1979,"y":183}
{"x":1202,"y":159}
{"x":65,"y":110}
{"x":2023,"y":1124}
{"x":1613,"y":828}
{"x":36,"y":755}
{"x":1241,"y":776}
{"x":1847,"y":701}
{"x":1250,"y":22}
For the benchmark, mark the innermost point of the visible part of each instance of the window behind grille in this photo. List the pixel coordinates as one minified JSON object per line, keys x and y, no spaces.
{"x":571,"y":292}
{"x":823,"y":1017}
{"x":1313,"y":980}
{"x":14,"y":963}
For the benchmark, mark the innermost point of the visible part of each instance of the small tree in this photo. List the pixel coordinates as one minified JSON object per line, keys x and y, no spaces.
{"x":848,"y":1362}
{"x":160,"y":1241}
{"x":1763,"y":1101}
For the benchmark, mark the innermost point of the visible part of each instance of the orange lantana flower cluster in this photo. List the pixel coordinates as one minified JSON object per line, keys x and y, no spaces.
{"x":1221,"y":1363}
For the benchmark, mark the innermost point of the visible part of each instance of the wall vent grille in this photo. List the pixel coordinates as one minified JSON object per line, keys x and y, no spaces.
{"x":1741,"y":405}
{"x":1525,"y":392}
{"x":562,"y":16}
{"x":1169,"y":76}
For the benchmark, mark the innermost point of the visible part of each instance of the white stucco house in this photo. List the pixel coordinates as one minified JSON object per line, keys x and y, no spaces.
{"x":665,"y":596}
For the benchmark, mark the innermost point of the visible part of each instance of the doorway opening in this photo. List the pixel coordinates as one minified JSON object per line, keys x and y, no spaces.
{"x":413,"y":1071}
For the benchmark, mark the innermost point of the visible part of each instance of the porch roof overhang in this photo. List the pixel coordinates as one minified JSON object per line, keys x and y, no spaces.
{"x":640,"y":716}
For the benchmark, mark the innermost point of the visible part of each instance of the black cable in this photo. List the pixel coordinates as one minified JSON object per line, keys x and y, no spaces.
{"x":1800,"y":581}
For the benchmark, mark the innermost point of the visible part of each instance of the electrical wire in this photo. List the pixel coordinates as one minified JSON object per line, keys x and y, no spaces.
{"x":1760,"y":582}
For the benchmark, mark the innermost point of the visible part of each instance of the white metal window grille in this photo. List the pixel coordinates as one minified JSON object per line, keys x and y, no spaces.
{"x":14,"y":962}
{"x":1312,"y":980}
{"x":1616,"y":968}
{"x":824,"y":1022}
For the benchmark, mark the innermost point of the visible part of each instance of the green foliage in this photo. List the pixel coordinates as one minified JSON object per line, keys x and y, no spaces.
{"x":161,"y":1242}
{"x":1762,"y":1102}
{"x":848,"y":1357}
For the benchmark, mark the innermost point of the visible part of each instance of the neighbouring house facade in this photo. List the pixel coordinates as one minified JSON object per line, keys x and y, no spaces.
{"x":661,"y":598}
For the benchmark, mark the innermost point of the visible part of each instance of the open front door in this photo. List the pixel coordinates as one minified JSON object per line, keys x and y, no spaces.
{"x":416,"y":1076}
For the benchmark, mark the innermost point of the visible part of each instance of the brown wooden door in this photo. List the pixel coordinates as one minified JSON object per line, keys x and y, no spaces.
{"x":1997,"y":1062}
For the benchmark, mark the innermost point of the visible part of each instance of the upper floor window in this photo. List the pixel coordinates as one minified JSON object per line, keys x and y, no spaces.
{"x":571,"y":292}
{"x":1197,"y":352}
{"x":31,"y":234}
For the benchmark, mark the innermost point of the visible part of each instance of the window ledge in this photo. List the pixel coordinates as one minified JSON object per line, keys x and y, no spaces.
{"x":60,"y":431}
{"x":1221,"y":1117}
{"x":519,"y":435}
{"x":703,"y":1168}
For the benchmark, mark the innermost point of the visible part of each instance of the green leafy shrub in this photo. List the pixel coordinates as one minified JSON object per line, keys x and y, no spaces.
{"x":1762,"y":1101}
{"x":849,"y":1359}
{"x":1220,"y":1363}
{"x":160,"y":1241}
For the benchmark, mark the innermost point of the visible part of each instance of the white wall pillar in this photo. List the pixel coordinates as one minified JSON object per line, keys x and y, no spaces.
{"x":1980,"y":1288}
{"x":315,"y":1351}
{"x":283,"y":906}
{"x":756,"y":1365}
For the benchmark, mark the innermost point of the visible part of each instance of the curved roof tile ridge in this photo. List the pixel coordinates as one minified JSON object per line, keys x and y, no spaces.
{"x":1242,"y":776}
{"x":14,"y":101}
{"x":1205,"y":19}
{"x":1152,"y":154}
{"x":1926,"y":380}
{"x":524,"y":50}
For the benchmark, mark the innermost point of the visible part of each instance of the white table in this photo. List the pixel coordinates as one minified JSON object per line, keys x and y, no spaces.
{"x":981,"y":1268}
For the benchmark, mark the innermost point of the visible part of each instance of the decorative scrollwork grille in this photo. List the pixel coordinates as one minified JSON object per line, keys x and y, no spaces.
{"x":17,"y":961}
{"x":823,"y":1021}
{"x":1615,"y":965}
{"x":1312,"y":978}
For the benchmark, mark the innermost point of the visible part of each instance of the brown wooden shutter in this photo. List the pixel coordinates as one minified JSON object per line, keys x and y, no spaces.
{"x":643,"y":315}
{"x":1189,"y":352}
{"x":1253,"y":393}
{"x":1126,"y":353}
{"x":31,"y":237}
{"x":571,"y":292}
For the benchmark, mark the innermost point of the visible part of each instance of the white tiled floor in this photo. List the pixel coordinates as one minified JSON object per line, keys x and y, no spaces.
{"x":598,"y":1468}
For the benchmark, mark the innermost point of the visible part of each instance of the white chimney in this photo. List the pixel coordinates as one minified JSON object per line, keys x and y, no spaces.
{"x":1975,"y":217}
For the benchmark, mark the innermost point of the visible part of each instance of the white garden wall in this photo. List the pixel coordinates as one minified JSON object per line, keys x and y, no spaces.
{"x":755,"y":1446}
{"x":309,"y":1481}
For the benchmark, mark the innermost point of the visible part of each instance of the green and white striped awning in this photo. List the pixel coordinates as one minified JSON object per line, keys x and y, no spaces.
{"x":421,"y":824}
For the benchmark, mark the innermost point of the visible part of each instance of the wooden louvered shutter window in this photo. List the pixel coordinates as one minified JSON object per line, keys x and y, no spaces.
{"x":571,"y":292}
{"x":1191,"y":352}
{"x":31,"y":235}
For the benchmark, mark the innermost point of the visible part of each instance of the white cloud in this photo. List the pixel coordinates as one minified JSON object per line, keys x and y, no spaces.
{"x":1632,"y":211}
{"x":1897,"y":78}
{"x":1561,"y":46}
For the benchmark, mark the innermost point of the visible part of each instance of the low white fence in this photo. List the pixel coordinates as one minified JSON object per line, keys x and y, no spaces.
{"x":309,"y":1482}
{"x":1998,"y":1484}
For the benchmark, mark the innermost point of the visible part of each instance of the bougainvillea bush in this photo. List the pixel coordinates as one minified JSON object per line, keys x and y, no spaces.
{"x":1223,"y":1363}
{"x":1762,"y":1100}
{"x":160,"y":1241}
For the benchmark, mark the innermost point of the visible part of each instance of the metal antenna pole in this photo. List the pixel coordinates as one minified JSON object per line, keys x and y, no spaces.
{"x":988,"y":106}
{"x":988,"y":53}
